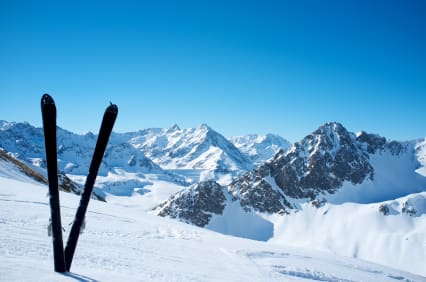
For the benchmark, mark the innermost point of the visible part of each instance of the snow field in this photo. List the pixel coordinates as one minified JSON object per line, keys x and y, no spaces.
{"x":122,"y":244}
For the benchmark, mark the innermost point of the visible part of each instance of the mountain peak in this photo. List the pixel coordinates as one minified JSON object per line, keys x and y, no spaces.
{"x":192,"y":148}
{"x":332,"y":124}
{"x":329,"y":137}
{"x":204,"y":126}
{"x":89,"y":134}
{"x":174,"y":127}
{"x":330,"y":128}
{"x":4,"y":124}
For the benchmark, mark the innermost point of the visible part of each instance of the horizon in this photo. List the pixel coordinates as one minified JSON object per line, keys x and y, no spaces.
{"x":242,"y":68}
{"x":227,"y":137}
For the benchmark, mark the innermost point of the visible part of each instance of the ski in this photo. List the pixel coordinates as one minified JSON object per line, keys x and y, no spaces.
{"x":108,"y":120}
{"x":48,"y":111}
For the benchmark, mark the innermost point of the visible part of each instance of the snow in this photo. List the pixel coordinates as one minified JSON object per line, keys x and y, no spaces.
{"x":360,"y":231}
{"x":121,"y":243}
{"x":192,"y":148}
{"x":8,"y":170}
{"x":356,"y":229}
{"x":260,"y":148}
{"x":394,"y":177}
{"x":236,"y":222}
{"x":353,"y":229}
{"x":421,"y":156}
{"x":122,"y":186}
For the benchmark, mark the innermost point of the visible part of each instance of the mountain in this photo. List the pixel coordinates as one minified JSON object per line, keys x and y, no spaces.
{"x":260,"y":148}
{"x":339,"y":166}
{"x":335,"y":165}
{"x":199,"y":148}
{"x":132,"y":160}
{"x":74,"y":151}
{"x":375,"y":182}
{"x":124,"y":169}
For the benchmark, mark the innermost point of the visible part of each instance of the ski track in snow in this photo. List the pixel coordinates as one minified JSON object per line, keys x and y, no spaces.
{"x":121,"y":243}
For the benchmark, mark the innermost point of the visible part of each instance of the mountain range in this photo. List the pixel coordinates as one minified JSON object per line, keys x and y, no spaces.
{"x":312,"y":193}
{"x":330,"y":165}
{"x":134,"y":161}
{"x":200,"y":148}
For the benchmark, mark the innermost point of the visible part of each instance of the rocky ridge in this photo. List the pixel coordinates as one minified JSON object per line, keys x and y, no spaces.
{"x":313,"y":169}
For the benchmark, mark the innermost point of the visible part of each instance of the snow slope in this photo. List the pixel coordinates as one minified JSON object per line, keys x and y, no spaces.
{"x":123,"y":243}
{"x":395,"y":176}
{"x":396,"y":239}
{"x":361,"y":231}
{"x":10,"y":170}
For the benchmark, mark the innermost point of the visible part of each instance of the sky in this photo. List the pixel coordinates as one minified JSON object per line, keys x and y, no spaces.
{"x":283,"y":67}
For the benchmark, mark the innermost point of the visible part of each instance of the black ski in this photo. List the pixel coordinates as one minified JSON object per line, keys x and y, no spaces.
{"x":104,"y":133}
{"x":48,"y":111}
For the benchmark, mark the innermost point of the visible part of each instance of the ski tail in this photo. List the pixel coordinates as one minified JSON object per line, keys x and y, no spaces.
{"x":108,"y":121}
{"x":48,"y":111}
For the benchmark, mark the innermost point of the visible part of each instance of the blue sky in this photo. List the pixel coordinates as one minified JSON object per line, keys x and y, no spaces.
{"x":242,"y":67}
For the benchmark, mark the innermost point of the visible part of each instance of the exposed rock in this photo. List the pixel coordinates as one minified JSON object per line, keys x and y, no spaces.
{"x":373,"y":142}
{"x":384,"y":209}
{"x":318,"y":202}
{"x":409,"y":209}
{"x":195,"y":205}
{"x":256,"y":193}
{"x":396,"y":148}
{"x":320,"y":163}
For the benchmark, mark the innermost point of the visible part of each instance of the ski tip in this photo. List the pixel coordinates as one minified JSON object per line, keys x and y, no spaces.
{"x":112,"y":108}
{"x":46,"y":99}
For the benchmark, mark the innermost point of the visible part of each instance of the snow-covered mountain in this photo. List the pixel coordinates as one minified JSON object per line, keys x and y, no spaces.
{"x":260,"y":148}
{"x":124,"y":170}
{"x":200,"y":148}
{"x":74,"y":151}
{"x":334,"y":165}
{"x":172,"y":154}
{"x":330,"y":169}
{"x":197,"y":149}
{"x":193,"y":148}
